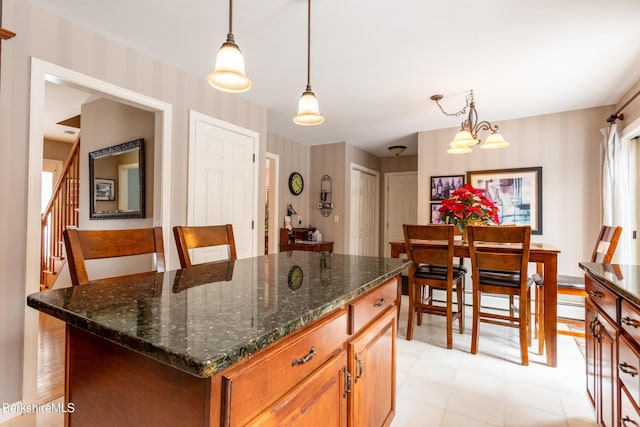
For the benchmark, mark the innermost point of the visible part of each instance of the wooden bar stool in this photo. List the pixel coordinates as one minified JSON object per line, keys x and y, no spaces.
{"x":203,"y":236}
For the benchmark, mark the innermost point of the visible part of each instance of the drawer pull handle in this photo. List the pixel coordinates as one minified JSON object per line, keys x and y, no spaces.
{"x":347,"y":380}
{"x":305,"y":359}
{"x":359,"y":375}
{"x":628,"y":420}
{"x":596,"y":294}
{"x":629,"y":321}
{"x":379,"y":303}
{"x":627,"y":369}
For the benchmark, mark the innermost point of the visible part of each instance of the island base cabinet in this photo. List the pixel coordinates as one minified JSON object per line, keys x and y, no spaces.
{"x":321,"y":398}
{"x":372,"y":365}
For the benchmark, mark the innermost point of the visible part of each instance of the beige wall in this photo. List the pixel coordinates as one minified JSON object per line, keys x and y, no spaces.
{"x":566,"y":145}
{"x":56,"y":150}
{"x":56,"y":40}
{"x":106,"y":123}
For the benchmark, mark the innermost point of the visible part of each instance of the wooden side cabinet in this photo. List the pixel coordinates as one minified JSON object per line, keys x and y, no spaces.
{"x":601,"y":360}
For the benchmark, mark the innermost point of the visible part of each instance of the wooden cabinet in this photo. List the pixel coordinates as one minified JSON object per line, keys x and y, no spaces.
{"x":372,"y":365}
{"x":601,"y":356}
{"x":340,"y":370}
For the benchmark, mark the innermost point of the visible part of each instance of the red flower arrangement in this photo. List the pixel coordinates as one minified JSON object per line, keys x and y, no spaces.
{"x":468,"y":205}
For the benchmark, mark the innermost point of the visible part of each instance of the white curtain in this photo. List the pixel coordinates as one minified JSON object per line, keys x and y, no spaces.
{"x":616,"y":207}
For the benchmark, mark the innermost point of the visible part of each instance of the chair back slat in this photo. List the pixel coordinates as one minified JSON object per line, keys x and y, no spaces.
{"x":85,"y":245}
{"x":499,"y":248}
{"x":606,"y":244}
{"x":203,"y":236}
{"x":441,"y":238}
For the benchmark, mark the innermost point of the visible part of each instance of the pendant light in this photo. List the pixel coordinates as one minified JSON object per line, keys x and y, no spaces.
{"x":308,"y":111}
{"x":228,"y":75}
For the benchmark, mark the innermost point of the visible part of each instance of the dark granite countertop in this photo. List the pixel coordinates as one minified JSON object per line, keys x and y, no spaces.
{"x":206,"y":318}
{"x":623,"y":280}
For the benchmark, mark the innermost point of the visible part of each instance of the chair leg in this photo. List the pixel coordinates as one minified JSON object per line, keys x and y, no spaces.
{"x":541,"y":331}
{"x":419,"y":299}
{"x":460,"y":297}
{"x":475,"y":323}
{"x":412,"y":308}
{"x":449,"y":317}
{"x":523,"y":313}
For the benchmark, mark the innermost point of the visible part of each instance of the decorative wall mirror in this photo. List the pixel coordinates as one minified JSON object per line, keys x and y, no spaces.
{"x":116,"y":175}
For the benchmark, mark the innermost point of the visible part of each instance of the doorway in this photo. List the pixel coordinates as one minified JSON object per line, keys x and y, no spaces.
{"x":272,"y":173}
{"x":42,"y":72}
{"x":400,"y":205}
{"x":364,"y":211}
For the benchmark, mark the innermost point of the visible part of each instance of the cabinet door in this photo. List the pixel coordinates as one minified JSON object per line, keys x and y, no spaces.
{"x":318,"y":400}
{"x":607,"y":368}
{"x":590,"y":319}
{"x":372,"y":366}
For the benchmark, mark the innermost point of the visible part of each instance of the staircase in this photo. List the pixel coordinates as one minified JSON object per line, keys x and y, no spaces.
{"x":61,"y":213}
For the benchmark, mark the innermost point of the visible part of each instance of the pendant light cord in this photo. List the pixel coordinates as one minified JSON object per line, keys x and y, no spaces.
{"x":230,"y":20}
{"x":309,"y":45}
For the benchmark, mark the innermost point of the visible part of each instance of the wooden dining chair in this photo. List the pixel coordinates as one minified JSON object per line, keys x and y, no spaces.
{"x":603,"y":252}
{"x":499,"y":264}
{"x":203,"y":236}
{"x":432,"y":266}
{"x":82,"y":245}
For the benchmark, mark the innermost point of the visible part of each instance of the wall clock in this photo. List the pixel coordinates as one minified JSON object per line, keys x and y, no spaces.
{"x":296,"y":183}
{"x":294,"y":279}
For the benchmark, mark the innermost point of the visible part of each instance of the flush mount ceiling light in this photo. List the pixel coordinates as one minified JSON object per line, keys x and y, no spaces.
{"x":308,"y":111}
{"x":467,"y":136}
{"x":228,"y":75}
{"x":397,"y":149}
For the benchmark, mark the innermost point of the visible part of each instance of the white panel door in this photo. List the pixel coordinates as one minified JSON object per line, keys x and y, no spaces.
{"x":364,"y":208}
{"x":223,"y":183}
{"x":401,"y":205}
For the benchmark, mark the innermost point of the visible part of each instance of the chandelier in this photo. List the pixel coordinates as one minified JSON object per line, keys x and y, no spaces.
{"x":467,"y":136}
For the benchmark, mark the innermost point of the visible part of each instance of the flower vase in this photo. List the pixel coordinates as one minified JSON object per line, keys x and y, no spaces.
{"x":465,"y":235}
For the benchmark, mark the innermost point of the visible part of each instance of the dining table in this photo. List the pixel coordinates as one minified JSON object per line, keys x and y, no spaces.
{"x":546,"y":258}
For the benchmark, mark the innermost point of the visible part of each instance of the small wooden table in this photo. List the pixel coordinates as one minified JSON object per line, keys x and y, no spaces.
{"x":546,"y":256}
{"x":300,"y":243}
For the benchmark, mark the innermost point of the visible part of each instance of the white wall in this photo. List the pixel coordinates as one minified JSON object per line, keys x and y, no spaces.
{"x":566,"y":145}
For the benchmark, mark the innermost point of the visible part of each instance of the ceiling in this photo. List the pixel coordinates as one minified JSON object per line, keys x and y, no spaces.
{"x":375,"y":63}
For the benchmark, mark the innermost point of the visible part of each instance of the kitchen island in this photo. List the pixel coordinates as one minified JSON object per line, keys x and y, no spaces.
{"x":279,"y":339}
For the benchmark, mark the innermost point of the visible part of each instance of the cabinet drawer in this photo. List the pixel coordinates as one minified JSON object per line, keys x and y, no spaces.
{"x":629,"y":414}
{"x":258,"y":381}
{"x":630,"y":320}
{"x":603,"y":297}
{"x":629,"y":368}
{"x":372,"y":304}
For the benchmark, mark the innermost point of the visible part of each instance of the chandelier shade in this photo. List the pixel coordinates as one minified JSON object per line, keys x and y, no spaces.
{"x":495,"y":140}
{"x":228,"y":74}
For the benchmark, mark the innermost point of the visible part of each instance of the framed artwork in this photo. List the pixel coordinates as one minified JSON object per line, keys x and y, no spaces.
{"x":105,"y":189}
{"x":517,"y":192}
{"x":442,"y":186}
{"x":434,"y":216}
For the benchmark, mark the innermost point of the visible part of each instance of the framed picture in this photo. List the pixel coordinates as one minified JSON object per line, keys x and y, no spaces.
{"x":517,"y":192}
{"x":434,"y":216}
{"x":442,"y":186}
{"x":105,"y":189}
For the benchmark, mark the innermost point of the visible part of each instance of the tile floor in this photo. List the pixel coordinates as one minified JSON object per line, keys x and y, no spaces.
{"x":437,"y":387}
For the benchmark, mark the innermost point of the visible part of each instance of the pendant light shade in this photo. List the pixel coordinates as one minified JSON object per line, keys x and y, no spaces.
{"x":308,"y":110}
{"x":229,"y":75}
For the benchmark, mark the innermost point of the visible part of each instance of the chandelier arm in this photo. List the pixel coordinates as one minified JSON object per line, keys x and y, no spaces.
{"x":484,"y":125}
